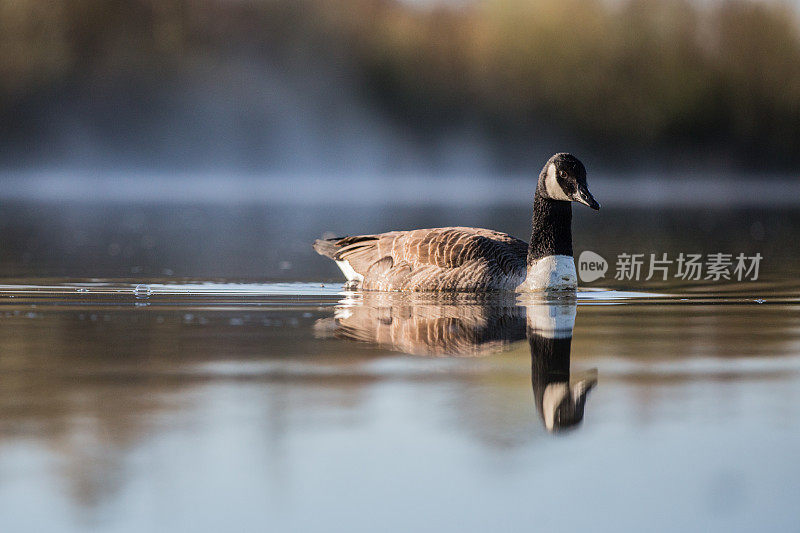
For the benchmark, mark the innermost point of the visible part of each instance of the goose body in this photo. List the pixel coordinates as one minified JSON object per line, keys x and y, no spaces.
{"x":474,"y":259}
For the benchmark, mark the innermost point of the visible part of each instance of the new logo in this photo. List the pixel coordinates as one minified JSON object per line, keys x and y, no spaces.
{"x":591,"y":266}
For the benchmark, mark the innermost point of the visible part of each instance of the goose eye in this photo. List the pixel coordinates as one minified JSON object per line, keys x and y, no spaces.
{"x":563,"y":173}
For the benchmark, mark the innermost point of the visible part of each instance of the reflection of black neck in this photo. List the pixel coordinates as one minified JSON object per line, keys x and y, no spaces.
{"x":552,"y":228}
{"x":549,"y":364}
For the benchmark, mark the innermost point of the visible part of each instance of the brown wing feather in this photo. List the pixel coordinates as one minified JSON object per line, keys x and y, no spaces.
{"x":453,"y":258}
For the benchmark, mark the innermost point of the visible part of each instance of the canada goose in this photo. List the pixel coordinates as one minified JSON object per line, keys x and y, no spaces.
{"x":474,"y":259}
{"x":476,"y":327}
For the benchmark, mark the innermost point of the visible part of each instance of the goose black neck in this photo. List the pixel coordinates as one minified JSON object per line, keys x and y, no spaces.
{"x":549,"y":363}
{"x":552,"y":228}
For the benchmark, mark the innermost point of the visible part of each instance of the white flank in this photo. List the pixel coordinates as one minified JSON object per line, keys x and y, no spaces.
{"x":551,"y":185}
{"x":348,"y":271}
{"x":551,"y":321}
{"x":554,"y":272}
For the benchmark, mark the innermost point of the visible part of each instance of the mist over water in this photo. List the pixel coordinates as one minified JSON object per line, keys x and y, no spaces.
{"x":245,"y":116}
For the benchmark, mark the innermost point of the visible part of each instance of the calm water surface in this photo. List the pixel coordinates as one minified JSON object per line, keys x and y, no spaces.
{"x":259,"y":396}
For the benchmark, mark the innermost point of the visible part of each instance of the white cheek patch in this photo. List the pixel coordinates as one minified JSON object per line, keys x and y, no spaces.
{"x":551,"y":185}
{"x":554,"y":394}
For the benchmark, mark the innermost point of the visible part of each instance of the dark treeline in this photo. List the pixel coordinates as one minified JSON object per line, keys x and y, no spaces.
{"x":671,"y":79}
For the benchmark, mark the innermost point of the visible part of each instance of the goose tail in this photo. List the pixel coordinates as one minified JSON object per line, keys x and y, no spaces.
{"x":328,"y":247}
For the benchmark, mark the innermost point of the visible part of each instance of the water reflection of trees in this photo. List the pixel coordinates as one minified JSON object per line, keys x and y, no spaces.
{"x":93,"y":384}
{"x":90,"y":386}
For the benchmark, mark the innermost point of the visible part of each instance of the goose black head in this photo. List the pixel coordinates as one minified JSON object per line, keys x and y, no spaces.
{"x":564,"y":178}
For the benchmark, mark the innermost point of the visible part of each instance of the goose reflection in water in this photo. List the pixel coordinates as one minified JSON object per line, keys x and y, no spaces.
{"x":474,"y":326}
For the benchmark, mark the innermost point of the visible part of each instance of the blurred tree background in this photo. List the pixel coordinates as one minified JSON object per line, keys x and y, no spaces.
{"x":382,"y":85}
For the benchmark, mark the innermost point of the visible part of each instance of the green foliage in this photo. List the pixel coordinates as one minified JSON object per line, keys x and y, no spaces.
{"x":652,"y":73}
{"x":655,"y":72}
